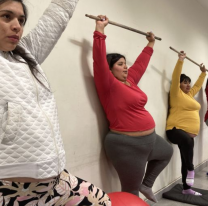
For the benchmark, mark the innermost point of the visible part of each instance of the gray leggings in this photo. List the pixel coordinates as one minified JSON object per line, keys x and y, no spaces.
{"x":129,"y":156}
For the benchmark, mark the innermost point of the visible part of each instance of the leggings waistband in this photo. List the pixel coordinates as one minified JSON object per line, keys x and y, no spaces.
{"x":123,"y":137}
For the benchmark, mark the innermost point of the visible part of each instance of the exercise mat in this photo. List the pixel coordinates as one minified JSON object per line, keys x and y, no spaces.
{"x":176,"y":194}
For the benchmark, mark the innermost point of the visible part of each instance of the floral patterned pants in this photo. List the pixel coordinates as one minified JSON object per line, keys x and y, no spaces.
{"x":66,"y":190}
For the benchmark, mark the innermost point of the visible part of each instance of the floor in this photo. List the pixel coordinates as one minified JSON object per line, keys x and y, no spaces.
{"x":201,"y":181}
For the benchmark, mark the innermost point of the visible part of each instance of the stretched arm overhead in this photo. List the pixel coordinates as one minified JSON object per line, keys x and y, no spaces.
{"x":101,"y":24}
{"x":151,"y":39}
{"x":198,"y":84}
{"x":175,"y":85}
{"x":41,"y":40}
{"x":137,"y":70}
{"x":102,"y":75}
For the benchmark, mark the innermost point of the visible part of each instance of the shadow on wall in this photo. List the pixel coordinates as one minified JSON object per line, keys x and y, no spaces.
{"x":165,"y":84}
{"x":165,"y":87}
{"x":107,"y":173}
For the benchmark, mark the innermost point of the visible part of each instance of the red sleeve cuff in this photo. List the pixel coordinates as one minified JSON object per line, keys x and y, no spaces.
{"x":148,"y":50}
{"x":97,"y":34}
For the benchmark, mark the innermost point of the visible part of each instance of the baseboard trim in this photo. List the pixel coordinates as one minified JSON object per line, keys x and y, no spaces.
{"x":159,"y":193}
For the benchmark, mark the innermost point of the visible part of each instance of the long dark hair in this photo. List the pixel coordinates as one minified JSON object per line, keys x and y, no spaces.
{"x":18,"y":51}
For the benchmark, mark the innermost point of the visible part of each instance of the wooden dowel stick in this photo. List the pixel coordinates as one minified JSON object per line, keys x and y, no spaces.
{"x":185,"y":57}
{"x":122,"y":26}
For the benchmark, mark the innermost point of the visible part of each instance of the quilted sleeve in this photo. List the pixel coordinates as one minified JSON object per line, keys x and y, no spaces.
{"x":2,"y":110}
{"x":41,"y":40}
{"x":1,"y":117}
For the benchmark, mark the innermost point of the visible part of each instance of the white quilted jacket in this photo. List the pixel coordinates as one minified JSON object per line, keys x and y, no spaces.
{"x":30,"y":141}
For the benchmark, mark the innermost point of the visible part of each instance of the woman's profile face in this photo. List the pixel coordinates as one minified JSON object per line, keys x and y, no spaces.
{"x":120,"y":70}
{"x":12,"y":20}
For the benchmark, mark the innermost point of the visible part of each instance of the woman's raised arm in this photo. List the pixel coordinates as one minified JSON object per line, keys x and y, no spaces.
{"x":198,"y":84}
{"x":41,"y":40}
{"x":102,"y":75}
{"x":175,"y":85}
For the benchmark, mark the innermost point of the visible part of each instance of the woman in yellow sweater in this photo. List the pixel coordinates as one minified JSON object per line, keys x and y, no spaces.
{"x":183,"y":121}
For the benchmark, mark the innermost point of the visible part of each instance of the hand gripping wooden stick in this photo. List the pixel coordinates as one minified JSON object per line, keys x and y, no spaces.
{"x":122,"y":26}
{"x":186,"y":57}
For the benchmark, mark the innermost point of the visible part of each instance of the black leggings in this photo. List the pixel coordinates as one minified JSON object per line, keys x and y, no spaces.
{"x":186,"y":146}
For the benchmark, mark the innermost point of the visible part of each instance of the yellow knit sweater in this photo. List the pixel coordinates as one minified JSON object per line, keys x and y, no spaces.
{"x":184,"y":109}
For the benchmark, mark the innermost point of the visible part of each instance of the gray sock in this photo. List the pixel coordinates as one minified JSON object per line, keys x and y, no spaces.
{"x":147,"y":192}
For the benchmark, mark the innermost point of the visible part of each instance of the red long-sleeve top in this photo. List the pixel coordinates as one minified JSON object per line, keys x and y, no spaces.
{"x":206,"y":91}
{"x":123,"y":105}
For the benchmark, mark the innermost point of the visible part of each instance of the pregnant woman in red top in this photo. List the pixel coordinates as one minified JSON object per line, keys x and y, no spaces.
{"x":131,"y":142}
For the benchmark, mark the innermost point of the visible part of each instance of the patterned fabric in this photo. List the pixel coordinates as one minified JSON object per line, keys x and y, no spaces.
{"x":66,"y":190}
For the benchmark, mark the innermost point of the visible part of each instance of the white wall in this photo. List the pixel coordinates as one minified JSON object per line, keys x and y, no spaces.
{"x":182,"y":24}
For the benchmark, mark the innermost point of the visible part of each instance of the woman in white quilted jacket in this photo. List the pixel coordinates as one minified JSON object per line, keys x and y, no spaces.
{"x":32,"y":157}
